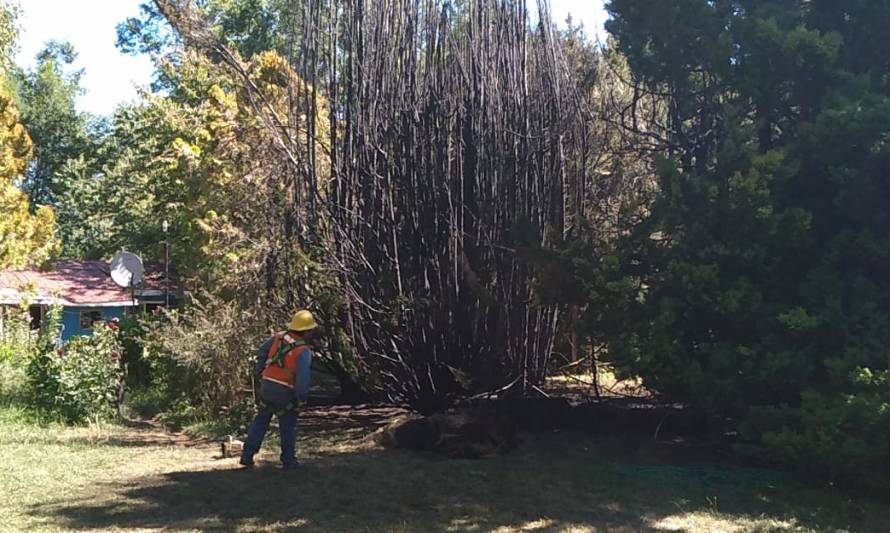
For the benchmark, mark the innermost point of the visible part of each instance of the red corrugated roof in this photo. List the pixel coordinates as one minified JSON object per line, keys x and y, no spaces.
{"x":74,"y":282}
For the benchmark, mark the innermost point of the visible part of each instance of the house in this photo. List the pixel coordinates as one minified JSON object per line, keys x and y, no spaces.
{"x":86,"y":293}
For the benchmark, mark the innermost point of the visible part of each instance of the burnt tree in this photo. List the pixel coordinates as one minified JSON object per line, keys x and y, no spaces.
{"x":453,"y":147}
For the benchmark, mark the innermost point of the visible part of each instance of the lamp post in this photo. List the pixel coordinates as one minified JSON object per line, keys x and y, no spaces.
{"x":165,"y":226}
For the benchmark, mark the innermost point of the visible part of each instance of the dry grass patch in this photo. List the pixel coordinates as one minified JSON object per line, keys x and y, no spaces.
{"x":580,"y":384}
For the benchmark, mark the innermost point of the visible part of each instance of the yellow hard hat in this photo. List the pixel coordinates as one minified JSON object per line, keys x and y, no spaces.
{"x":302,"y":321}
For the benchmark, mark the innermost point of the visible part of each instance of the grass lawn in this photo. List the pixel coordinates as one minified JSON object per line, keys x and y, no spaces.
{"x":64,"y":479}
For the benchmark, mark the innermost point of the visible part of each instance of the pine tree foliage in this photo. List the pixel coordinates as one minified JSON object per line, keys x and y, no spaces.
{"x":759,"y":275}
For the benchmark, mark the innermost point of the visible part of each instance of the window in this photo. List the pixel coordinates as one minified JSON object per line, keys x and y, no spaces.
{"x":36,"y":312}
{"x":88,"y":318}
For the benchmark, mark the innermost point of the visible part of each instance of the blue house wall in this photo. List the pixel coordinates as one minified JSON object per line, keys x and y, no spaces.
{"x":71,"y":319}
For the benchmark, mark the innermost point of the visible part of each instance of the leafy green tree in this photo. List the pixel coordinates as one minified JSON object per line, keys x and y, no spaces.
{"x":108,"y":200}
{"x":251,"y":26}
{"x":196,"y":158}
{"x":147,"y":33}
{"x":46,"y":96}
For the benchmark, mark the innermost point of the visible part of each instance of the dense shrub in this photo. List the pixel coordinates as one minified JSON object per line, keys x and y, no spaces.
{"x":15,"y":346}
{"x":17,"y":338}
{"x":203,"y":356}
{"x":13,"y":380}
{"x":200,"y":358}
{"x":131,"y":333}
{"x":79,"y":381}
{"x":840,"y":436}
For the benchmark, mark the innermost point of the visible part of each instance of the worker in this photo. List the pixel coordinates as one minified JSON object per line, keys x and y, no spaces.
{"x":283,"y":362}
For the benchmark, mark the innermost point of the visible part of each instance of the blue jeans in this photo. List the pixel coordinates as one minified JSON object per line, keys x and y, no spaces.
{"x":279,"y":396}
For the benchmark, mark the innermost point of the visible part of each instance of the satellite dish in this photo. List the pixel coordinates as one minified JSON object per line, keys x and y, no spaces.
{"x":127,"y":269}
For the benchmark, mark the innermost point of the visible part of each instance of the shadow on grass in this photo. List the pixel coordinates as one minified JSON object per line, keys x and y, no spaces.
{"x":554,"y":482}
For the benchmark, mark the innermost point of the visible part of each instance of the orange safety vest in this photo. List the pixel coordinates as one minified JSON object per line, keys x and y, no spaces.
{"x":286,"y":372}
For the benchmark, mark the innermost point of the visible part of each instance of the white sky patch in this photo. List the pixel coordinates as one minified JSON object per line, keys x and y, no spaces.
{"x":112,"y":78}
{"x":591,"y":13}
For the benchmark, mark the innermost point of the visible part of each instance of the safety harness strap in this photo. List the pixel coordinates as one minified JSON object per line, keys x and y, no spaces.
{"x":284,"y":349}
{"x":291,"y":406}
